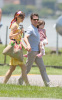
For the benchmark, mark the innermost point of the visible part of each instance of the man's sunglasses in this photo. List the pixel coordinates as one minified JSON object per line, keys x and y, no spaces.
{"x":35,"y":19}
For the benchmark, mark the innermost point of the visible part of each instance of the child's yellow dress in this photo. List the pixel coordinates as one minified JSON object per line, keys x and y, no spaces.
{"x":14,"y":61}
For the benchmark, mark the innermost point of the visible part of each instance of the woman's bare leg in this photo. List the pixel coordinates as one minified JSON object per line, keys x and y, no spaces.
{"x":24,"y":74}
{"x":9,"y":73}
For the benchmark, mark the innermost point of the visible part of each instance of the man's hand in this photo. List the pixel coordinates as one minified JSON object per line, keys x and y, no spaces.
{"x":28,"y":48}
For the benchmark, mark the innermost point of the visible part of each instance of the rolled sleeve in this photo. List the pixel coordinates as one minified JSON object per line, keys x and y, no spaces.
{"x":29,"y":31}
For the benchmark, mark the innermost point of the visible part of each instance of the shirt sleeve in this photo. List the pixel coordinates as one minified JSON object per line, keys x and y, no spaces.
{"x":29,"y":31}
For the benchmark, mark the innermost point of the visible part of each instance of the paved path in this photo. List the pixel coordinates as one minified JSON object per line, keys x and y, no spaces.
{"x":11,"y":98}
{"x":36,"y":80}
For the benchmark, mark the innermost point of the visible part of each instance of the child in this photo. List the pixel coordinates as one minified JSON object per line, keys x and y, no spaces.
{"x":15,"y":34}
{"x":43,"y":37}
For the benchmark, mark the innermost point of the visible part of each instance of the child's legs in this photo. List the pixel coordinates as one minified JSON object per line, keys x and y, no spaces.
{"x":8,"y":74}
{"x":45,"y":41}
{"x":24,"y":73}
{"x":43,"y":51}
{"x":41,"y":46}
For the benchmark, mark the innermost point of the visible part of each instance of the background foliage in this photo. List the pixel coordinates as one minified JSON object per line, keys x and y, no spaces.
{"x":48,"y":8}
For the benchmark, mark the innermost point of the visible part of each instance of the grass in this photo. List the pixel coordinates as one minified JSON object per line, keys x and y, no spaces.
{"x":53,"y":60}
{"x":49,"y":59}
{"x":7,"y":90}
{"x":34,"y":70}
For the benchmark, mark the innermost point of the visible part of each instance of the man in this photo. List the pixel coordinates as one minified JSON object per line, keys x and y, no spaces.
{"x":32,"y":40}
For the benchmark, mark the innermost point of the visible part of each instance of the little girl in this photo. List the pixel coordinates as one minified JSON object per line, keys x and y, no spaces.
{"x":43,"y":37}
{"x":16,"y":34}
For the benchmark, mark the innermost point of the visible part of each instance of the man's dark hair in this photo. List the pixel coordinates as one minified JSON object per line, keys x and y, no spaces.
{"x":33,"y":14}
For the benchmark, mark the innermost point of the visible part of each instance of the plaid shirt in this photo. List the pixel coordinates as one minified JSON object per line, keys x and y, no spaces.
{"x":42,"y":34}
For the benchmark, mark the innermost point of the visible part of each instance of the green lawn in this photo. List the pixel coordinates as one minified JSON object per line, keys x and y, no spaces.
{"x":49,"y":59}
{"x":30,"y":91}
{"x":34,"y":70}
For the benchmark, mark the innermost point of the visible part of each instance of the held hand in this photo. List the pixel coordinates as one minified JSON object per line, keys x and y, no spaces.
{"x":28,"y":48}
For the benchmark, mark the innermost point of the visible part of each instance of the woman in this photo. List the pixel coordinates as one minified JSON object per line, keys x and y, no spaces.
{"x":15,"y":34}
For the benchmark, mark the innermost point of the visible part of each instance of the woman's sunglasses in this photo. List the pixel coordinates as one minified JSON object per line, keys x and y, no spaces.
{"x":21,"y":16}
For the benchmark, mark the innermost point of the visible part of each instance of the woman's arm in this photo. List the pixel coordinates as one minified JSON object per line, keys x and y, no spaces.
{"x":13,"y":33}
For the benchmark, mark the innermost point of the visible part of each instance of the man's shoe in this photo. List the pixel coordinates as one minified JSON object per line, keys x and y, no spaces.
{"x":50,"y":84}
{"x":20,"y":81}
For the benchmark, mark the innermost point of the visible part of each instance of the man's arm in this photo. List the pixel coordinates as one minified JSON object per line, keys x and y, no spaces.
{"x":27,"y":42}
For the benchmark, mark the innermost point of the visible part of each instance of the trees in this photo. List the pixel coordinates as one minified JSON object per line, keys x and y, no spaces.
{"x":48,"y":8}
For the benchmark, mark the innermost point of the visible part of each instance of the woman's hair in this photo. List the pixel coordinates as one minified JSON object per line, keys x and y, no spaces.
{"x":20,"y":14}
{"x":17,"y":14}
{"x":33,"y":14}
{"x":40,"y":22}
